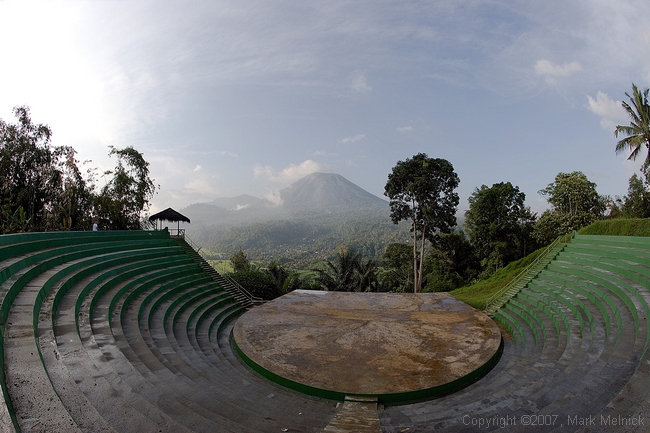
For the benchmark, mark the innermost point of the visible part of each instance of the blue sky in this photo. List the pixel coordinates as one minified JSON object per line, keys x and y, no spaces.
{"x":231,"y":97}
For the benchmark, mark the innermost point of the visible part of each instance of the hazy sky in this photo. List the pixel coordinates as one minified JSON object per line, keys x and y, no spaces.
{"x":229,"y":97}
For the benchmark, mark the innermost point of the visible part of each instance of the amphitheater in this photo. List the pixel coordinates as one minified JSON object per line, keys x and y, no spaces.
{"x":132,"y":332}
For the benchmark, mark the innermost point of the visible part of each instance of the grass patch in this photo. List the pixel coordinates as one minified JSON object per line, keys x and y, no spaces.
{"x":618,"y":227}
{"x":478,"y":293}
{"x":222,"y":266}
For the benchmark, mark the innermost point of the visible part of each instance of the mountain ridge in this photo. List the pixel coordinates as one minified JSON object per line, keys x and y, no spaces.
{"x":316,"y":192}
{"x":324,"y":190}
{"x":315,"y":215}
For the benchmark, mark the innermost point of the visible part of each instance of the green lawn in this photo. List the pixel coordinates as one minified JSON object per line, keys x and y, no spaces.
{"x":478,"y":293}
{"x":619,"y":227}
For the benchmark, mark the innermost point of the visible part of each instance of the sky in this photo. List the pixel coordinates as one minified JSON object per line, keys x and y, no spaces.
{"x":230,"y":97}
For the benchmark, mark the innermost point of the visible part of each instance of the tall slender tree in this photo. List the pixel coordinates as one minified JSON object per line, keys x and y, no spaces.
{"x":638,"y":131}
{"x":422,"y":189}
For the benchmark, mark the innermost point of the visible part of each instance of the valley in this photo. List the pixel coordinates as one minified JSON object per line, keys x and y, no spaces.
{"x":311,"y":219}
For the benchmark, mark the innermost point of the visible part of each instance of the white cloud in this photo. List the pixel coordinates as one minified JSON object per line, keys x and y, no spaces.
{"x":262,"y":170}
{"x":199,"y":187}
{"x":359,"y":83}
{"x":610,"y":111}
{"x":405,"y":129}
{"x":323,"y":153}
{"x":354,"y":139}
{"x":289,"y":174}
{"x":551,"y":71}
{"x":181,"y":181}
{"x":64,"y":93}
{"x":274,"y":197}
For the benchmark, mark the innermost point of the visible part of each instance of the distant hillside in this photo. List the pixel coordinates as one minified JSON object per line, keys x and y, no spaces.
{"x":317,"y":214}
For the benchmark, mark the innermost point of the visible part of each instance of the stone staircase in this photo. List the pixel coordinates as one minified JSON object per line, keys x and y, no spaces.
{"x":526,"y":276}
{"x":236,"y":290}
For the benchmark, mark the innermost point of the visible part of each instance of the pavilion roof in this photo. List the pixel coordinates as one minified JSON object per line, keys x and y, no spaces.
{"x":169,"y":214}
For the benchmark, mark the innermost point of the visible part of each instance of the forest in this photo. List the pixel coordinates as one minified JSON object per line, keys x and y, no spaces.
{"x":44,"y":189}
{"x":498,"y":229}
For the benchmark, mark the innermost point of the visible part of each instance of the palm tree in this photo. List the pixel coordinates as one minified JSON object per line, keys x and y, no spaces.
{"x":343,"y":274}
{"x":367,"y":275}
{"x":638,"y":132}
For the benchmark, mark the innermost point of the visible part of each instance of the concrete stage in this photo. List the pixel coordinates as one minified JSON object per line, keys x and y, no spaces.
{"x":391,"y":346}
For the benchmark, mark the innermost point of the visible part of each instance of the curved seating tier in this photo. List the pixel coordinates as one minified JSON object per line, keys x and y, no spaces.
{"x":126,"y":331}
{"x":579,"y":349}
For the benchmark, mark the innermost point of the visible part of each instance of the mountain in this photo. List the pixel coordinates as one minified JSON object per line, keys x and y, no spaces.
{"x":317,"y":193}
{"x":310,"y":220}
{"x":325,"y":192}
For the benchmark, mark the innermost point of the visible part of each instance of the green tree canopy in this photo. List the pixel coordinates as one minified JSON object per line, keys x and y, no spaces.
{"x":26,"y":167}
{"x":422,"y":190}
{"x":128,"y":193}
{"x":257,"y":283}
{"x":499,"y":224}
{"x":349,"y":272}
{"x":397,"y":263}
{"x":40,"y":184}
{"x":452,"y":264}
{"x":638,"y":131}
{"x":285,"y":280}
{"x":43,"y":188}
{"x":637,"y":201}
{"x":576,"y":204}
{"x":240,"y":261}
{"x":574,"y":194}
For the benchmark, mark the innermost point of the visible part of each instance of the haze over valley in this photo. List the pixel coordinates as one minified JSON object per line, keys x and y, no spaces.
{"x":305,"y":222}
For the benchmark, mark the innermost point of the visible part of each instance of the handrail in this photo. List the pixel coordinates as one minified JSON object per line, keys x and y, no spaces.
{"x":253,"y":299}
{"x":516,"y":279}
{"x":235,"y":284}
{"x":194,"y":246}
{"x":179,"y":233}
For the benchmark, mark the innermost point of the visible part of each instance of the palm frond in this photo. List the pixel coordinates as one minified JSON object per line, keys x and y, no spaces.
{"x":638,"y":131}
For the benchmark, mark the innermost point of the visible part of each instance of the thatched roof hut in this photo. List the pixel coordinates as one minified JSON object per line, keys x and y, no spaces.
{"x":169,"y":214}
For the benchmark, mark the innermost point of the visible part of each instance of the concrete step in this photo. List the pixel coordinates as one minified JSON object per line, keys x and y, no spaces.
{"x":355,"y":416}
{"x":105,"y":359}
{"x":130,"y":364}
{"x":36,"y":404}
{"x":216,"y":385}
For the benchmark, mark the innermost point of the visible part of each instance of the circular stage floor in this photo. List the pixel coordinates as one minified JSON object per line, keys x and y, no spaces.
{"x":369,"y":344}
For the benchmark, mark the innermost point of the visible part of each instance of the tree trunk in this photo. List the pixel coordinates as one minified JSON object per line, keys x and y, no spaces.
{"x":421,"y":267}
{"x":416,"y":280}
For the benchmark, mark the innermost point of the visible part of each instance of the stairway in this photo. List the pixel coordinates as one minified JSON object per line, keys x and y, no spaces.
{"x":237,"y":291}
{"x":521,"y":280}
